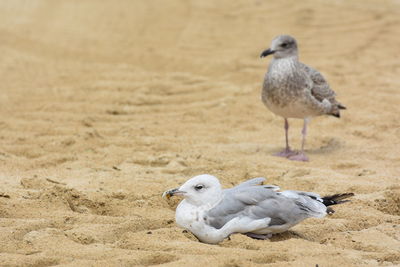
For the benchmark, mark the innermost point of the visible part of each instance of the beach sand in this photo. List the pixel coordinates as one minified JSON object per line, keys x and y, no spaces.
{"x":106,"y":104}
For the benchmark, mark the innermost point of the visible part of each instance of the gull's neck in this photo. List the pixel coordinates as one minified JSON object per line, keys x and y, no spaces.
{"x":215,"y":200}
{"x":212,"y":200}
{"x":293,"y":58}
{"x":189,"y":211}
{"x":284,"y":64}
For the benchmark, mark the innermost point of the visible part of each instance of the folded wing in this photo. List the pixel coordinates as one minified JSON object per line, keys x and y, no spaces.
{"x":257,"y":202}
{"x":321,"y":90}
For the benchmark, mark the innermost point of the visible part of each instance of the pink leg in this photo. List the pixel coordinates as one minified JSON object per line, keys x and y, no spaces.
{"x":259,"y":236}
{"x":301,"y":156}
{"x":287,"y":152}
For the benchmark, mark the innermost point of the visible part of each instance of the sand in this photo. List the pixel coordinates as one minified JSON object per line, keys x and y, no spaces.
{"x":106,"y":104}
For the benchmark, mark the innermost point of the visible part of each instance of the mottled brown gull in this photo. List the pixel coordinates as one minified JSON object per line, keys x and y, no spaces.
{"x":258,"y":211}
{"x":292,"y":89}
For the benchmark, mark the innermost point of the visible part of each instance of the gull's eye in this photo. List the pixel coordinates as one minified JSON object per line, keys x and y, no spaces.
{"x":198,"y":187}
{"x":284,"y":45}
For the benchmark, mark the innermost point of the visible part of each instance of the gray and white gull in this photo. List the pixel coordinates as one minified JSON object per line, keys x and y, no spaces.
{"x":258,"y":211}
{"x":292,"y":89}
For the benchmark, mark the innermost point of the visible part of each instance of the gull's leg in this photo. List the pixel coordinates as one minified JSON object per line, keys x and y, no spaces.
{"x":259,"y":236}
{"x":287,"y":152}
{"x":301,"y":156}
{"x":211,"y":235}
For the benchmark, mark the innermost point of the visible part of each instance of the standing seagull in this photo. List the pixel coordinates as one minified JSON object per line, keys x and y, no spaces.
{"x":292,"y":89}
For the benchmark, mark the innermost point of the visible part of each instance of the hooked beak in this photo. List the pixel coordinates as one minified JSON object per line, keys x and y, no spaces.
{"x":267,"y":52}
{"x":173,"y":192}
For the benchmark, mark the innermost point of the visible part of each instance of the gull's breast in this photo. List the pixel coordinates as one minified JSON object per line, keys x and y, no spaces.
{"x":284,"y":90}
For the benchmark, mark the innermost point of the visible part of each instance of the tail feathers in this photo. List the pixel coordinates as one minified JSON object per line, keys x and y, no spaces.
{"x":336,"y":199}
{"x":336,"y":114}
{"x":336,"y":107}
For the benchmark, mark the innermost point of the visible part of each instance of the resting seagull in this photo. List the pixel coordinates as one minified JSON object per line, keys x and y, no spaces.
{"x":258,"y":211}
{"x":292,"y":89}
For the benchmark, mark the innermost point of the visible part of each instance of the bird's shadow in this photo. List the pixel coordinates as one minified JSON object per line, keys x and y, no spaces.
{"x":329,"y":145}
{"x":285,"y":236}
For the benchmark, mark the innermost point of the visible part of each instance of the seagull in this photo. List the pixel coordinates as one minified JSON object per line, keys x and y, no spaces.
{"x":251,"y":208}
{"x":292,"y":89}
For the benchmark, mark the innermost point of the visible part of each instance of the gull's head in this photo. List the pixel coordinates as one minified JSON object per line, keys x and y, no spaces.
{"x":200,"y":190}
{"x":282,"y":46}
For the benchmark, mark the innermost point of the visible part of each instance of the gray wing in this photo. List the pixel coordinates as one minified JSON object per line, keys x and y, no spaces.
{"x":320,"y":89}
{"x":257,"y":202}
{"x":307,"y":201}
{"x":296,"y":194}
{"x":252,"y":182}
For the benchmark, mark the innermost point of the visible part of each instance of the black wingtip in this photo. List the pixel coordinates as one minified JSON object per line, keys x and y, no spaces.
{"x":336,"y":199}
{"x":337,"y":115}
{"x":340,"y":106}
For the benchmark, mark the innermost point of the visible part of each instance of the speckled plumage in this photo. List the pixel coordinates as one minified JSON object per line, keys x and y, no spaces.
{"x":292,"y":89}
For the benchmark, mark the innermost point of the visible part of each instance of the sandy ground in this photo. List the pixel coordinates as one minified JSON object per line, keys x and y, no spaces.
{"x":106,"y":104}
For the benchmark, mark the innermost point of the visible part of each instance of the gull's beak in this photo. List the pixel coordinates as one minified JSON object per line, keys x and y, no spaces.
{"x":267,"y":52}
{"x":173,"y":192}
